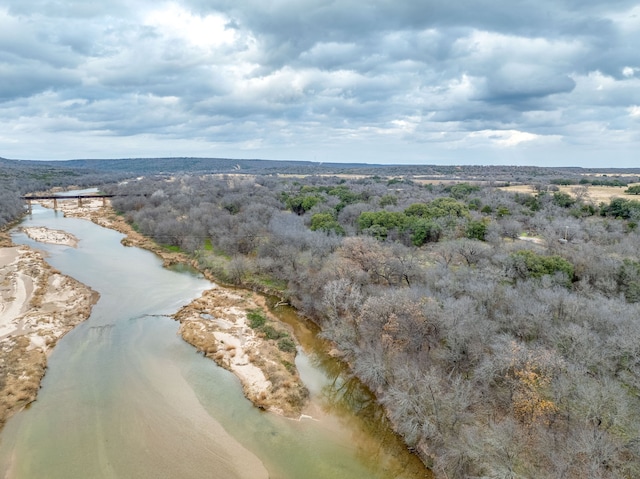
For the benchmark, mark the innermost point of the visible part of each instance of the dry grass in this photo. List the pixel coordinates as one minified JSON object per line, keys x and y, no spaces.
{"x":595,"y":194}
{"x":20,"y":375}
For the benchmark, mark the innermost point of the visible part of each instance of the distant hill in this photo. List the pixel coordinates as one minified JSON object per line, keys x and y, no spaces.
{"x":147,"y":166}
{"x":188,"y":165}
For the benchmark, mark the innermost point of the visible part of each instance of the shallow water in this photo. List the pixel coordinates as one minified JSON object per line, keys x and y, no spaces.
{"x":124,"y":396}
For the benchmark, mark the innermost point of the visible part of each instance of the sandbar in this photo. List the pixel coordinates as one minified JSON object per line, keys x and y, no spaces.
{"x":38,"y":306}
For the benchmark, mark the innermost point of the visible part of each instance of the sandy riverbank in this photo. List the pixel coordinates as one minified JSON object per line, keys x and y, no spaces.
{"x":216,"y":324}
{"x":39,"y":306}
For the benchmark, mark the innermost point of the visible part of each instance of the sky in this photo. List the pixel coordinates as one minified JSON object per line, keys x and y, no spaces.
{"x":518,"y":82}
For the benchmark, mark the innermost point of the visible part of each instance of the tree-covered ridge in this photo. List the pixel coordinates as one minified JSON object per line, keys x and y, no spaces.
{"x":495,"y":356}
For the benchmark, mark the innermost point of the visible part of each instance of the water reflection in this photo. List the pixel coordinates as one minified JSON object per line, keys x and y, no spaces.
{"x":344,"y":396}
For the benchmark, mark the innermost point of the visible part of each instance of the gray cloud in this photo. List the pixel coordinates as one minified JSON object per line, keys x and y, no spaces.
{"x":379,"y":81}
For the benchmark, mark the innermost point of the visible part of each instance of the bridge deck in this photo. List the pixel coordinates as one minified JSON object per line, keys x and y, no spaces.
{"x":64,"y":197}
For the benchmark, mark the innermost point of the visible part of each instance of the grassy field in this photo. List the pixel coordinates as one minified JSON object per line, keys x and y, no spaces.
{"x":596,"y":194}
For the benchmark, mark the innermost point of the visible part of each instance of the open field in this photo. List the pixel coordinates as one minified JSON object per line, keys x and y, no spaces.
{"x":596,"y":194}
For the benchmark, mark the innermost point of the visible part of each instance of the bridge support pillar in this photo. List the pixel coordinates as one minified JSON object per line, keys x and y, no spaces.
{"x":29,"y":206}
{"x":55,"y":204}
{"x":104,"y":201}
{"x":79,"y":201}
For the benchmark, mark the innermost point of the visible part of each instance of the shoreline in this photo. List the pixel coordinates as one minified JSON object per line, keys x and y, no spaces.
{"x":217,"y":324}
{"x":39,"y":306}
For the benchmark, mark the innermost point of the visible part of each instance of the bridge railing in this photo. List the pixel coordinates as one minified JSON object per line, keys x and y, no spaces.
{"x":55,"y":198}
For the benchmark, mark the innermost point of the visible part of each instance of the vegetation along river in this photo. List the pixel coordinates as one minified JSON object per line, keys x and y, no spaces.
{"x":125,"y":397}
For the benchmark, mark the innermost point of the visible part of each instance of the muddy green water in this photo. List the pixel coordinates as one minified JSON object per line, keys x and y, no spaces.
{"x":125,"y":397}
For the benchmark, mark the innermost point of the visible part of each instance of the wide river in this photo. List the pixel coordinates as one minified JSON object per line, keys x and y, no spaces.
{"x":125,"y":397}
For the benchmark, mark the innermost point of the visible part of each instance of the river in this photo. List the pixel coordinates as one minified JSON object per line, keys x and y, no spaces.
{"x":125,"y":397}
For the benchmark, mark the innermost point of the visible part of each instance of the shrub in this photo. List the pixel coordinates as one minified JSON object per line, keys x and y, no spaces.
{"x":272,"y":333}
{"x":564,"y":200}
{"x":327,"y":223}
{"x":287,"y":345}
{"x":256,"y":319}
{"x":530,"y":264}
{"x":476,"y":230}
{"x":424,"y":231}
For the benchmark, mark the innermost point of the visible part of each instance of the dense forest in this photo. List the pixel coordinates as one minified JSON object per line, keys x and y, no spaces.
{"x":500,"y":330}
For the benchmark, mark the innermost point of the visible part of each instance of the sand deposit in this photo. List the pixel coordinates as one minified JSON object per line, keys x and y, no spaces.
{"x":46,"y":235}
{"x":217,"y":325}
{"x":38,"y":306}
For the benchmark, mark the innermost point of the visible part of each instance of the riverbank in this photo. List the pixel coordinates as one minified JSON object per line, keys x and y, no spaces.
{"x":217,"y":324}
{"x":39,"y":306}
{"x":227,"y":336}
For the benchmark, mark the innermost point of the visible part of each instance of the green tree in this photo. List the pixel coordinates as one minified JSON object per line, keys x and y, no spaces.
{"x":300,"y":204}
{"x":424,"y":230}
{"x":438,"y":208}
{"x":386,"y":219}
{"x":503,"y":211}
{"x":531,"y":264}
{"x":621,"y":208}
{"x":417,"y":209}
{"x":388,"y":200}
{"x":629,"y":280}
{"x":476,"y":230}
{"x":326,"y":222}
{"x":564,"y":200}
{"x":461,"y":190}
{"x":346,"y":196}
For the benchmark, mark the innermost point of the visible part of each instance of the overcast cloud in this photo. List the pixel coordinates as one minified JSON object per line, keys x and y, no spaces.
{"x":550,"y":82}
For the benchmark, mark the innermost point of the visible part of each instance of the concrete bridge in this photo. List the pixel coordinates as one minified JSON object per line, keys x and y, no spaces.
{"x":55,"y":198}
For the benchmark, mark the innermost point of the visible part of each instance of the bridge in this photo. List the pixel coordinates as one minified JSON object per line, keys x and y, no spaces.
{"x":55,"y":198}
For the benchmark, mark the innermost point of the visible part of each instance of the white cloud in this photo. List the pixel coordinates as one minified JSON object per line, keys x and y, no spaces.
{"x":176,"y":22}
{"x":377,"y":82}
{"x":504,"y":138}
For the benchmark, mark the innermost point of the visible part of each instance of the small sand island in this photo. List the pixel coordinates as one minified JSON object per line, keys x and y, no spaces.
{"x":46,"y":235}
{"x":38,"y":306}
{"x":234,"y":329}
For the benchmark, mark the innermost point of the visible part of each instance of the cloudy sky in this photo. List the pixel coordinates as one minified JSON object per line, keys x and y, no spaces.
{"x":546,"y":82}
